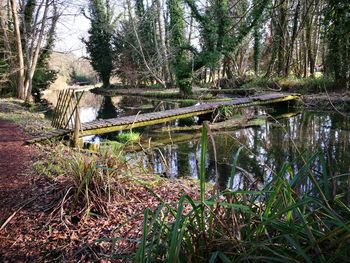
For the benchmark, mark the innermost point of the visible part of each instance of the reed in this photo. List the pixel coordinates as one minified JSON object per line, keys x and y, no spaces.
{"x":88,"y":188}
{"x":283,"y":222}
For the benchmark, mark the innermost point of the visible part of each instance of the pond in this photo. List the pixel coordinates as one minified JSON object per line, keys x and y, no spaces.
{"x":266,"y":147}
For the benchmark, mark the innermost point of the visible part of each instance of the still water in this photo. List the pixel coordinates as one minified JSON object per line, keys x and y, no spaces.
{"x":266,"y":148}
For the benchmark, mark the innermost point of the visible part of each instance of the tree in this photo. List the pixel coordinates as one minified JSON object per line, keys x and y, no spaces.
{"x":337,"y":24}
{"x":30,"y":32}
{"x":221,"y":37}
{"x":21,"y":92}
{"x":177,"y":39}
{"x":99,"y":43}
{"x":44,"y":76}
{"x":5,"y":46}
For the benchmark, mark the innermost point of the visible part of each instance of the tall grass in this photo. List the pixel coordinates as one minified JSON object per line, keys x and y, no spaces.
{"x":87,"y":187}
{"x":283,"y":222}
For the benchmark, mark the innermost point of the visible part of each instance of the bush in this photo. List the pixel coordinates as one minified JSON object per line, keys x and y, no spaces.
{"x":42,"y":79}
{"x":260,"y":82}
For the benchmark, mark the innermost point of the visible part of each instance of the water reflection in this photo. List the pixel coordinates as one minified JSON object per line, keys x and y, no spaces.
{"x":268,"y":147}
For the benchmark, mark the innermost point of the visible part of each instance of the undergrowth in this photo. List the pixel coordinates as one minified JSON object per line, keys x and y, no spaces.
{"x":293,"y":84}
{"x":87,"y":187}
{"x":282,"y":222}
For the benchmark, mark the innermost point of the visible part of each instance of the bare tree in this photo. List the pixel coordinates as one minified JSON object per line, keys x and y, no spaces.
{"x":21,"y":92}
{"x":33,"y":22}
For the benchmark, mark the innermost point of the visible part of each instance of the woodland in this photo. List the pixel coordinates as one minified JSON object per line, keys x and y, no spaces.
{"x":181,"y":43}
{"x":249,"y":163}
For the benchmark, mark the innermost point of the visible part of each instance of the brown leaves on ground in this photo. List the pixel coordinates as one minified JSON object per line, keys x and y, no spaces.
{"x":53,"y":228}
{"x":40,"y":218}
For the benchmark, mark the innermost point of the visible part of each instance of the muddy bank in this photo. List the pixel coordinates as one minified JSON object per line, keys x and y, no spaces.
{"x":330,"y":101}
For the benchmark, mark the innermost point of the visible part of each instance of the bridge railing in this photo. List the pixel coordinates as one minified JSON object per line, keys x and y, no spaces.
{"x":66,"y":114}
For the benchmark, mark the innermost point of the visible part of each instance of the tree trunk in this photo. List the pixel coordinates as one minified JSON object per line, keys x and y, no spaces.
{"x":163,"y":47}
{"x":292,"y":41}
{"x":34,"y":59}
{"x":282,"y":31}
{"x":21,"y":92}
{"x":106,"y":82}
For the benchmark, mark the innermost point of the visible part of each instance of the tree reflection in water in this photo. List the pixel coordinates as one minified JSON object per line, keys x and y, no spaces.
{"x":267,"y":148}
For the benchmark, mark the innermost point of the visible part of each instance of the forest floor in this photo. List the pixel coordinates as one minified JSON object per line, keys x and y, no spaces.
{"x":39,"y":220}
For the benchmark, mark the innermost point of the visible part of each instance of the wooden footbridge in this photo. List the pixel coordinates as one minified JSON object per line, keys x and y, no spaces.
{"x":67,"y":120}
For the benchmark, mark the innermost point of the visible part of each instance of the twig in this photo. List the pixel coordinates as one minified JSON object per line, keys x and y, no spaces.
{"x":14,"y":213}
{"x":330,"y":101}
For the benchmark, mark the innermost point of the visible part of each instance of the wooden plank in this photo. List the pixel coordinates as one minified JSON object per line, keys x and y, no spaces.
{"x":146,"y":119}
{"x":131,"y":125}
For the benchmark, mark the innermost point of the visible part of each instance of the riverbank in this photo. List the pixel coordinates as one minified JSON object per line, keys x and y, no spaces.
{"x":52,"y":213}
{"x":91,"y":206}
{"x":311,"y":98}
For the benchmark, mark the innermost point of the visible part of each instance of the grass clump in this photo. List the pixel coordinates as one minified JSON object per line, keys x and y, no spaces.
{"x":129,"y":137}
{"x":84,"y":184}
{"x":294,"y":218}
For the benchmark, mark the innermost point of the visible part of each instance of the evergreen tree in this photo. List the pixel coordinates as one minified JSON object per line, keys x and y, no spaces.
{"x":99,"y":44}
{"x":337,"y":25}
{"x":180,"y":65}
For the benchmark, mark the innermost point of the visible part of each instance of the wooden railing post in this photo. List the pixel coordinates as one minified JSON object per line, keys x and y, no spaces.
{"x":76,"y":141}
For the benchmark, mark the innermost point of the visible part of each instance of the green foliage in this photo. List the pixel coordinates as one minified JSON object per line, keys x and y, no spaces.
{"x":280,"y":223}
{"x":99,"y":43}
{"x":257,"y":82}
{"x":42,"y":78}
{"x":257,"y":48}
{"x":135,"y":44}
{"x":337,"y":24}
{"x":4,"y":70}
{"x":301,"y":85}
{"x":82,"y":78}
{"x":140,"y":8}
{"x":90,"y":188}
{"x":182,"y":68}
{"x":312,"y":84}
{"x":218,"y":34}
{"x":226,"y":112}
{"x":128,"y":137}
{"x":28,"y":13}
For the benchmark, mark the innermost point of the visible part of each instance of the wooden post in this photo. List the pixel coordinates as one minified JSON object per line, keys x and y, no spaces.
{"x":76,"y":142}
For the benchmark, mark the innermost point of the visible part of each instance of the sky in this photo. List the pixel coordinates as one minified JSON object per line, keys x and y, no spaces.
{"x":72,"y":27}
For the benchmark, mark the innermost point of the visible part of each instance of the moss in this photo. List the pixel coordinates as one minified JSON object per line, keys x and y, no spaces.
{"x":128,"y":137}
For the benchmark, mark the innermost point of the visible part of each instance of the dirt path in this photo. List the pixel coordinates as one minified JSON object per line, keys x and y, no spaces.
{"x":15,"y":159}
